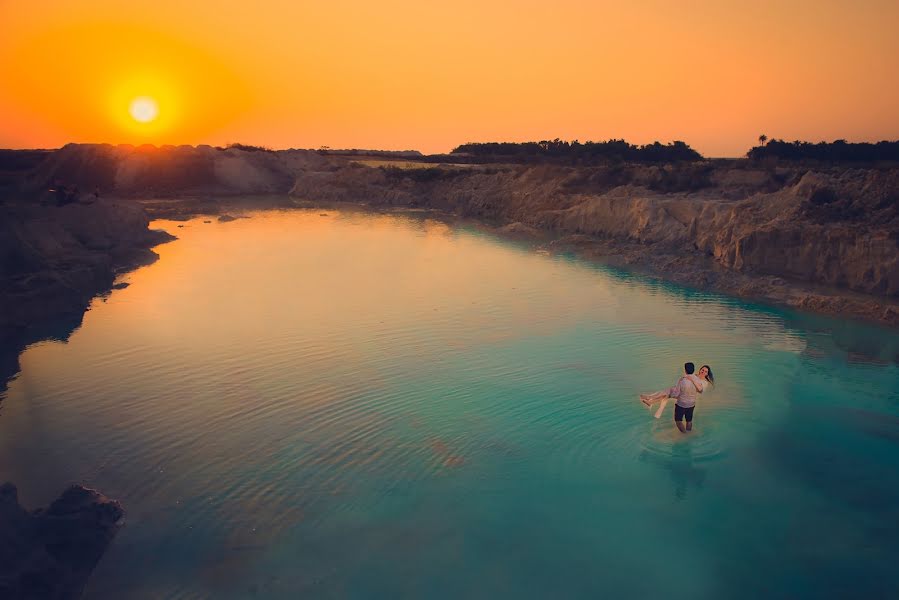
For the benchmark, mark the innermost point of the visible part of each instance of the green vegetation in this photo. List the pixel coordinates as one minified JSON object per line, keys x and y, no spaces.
{"x":838,"y":151}
{"x":681,"y":178}
{"x":248,"y":148}
{"x":577,"y":152}
{"x":423,"y":175}
{"x":402,"y":164}
{"x":325,"y":150}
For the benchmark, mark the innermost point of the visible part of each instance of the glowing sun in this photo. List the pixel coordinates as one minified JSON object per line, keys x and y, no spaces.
{"x":144,"y":109}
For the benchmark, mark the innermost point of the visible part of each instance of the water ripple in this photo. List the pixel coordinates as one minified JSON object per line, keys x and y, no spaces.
{"x":399,"y":402}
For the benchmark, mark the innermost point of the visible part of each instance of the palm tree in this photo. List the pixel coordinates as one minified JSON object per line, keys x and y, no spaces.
{"x":762,"y":139}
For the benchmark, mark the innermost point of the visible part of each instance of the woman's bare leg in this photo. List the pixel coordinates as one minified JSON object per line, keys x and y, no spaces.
{"x":662,"y":406}
{"x":650,"y":399}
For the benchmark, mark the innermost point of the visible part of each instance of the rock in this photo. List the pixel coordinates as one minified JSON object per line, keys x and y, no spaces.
{"x":50,"y":553}
{"x":147,"y":171}
{"x":54,"y":260}
{"x":519,"y":229}
{"x":833,"y":226}
{"x":744,"y":231}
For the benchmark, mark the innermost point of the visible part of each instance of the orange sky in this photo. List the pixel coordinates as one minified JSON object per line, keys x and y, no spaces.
{"x":430,"y":76}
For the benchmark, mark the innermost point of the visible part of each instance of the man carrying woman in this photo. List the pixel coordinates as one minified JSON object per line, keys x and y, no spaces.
{"x":684,"y":392}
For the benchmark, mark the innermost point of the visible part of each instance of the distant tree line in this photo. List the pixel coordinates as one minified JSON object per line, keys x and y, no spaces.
{"x":248,"y":148}
{"x":838,"y":151}
{"x":575,"y":151}
{"x":364,"y":152}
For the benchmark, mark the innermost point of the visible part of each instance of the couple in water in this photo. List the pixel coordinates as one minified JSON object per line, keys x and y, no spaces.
{"x":684,"y":392}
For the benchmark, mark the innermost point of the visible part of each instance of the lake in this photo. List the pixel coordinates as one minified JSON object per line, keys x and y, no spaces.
{"x":343,"y":404}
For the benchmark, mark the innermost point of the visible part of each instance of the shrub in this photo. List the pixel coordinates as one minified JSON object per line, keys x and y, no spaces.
{"x":248,"y":148}
{"x":426,"y":175}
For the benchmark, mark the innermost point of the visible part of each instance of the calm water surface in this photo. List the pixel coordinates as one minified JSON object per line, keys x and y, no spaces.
{"x":381,"y":406}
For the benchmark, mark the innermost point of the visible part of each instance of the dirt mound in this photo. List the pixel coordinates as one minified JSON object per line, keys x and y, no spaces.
{"x":148,"y":171}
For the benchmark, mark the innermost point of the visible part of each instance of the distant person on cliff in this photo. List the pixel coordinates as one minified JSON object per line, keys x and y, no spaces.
{"x":684,"y":392}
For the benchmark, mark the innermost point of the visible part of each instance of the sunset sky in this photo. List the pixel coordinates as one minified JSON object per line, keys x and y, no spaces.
{"x":430,"y":76}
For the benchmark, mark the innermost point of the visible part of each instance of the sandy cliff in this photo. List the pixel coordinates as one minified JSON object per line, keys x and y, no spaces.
{"x":780,"y":233}
{"x":54,"y":260}
{"x":147,"y":171}
{"x":742,"y":230}
{"x":824,"y":238}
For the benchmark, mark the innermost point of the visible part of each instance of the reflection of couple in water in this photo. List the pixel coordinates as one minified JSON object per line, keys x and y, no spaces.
{"x":684,"y":392}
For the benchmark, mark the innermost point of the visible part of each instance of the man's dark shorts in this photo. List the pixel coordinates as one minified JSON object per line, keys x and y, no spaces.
{"x":680,"y":412}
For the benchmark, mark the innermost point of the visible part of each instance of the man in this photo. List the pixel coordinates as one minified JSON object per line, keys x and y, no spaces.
{"x":688,"y":387}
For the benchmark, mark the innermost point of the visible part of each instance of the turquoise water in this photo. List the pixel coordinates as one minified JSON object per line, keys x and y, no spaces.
{"x":341,"y":404}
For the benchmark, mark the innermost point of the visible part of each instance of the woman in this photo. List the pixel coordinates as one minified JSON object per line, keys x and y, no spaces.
{"x":705,"y":374}
{"x":703,"y":380}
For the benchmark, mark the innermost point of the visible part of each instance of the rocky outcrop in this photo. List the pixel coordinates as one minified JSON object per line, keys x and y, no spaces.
{"x":54,"y":260}
{"x":825,"y":240}
{"x":735,"y":226}
{"x":765,"y":234}
{"x":50,"y":553}
{"x":148,"y":171}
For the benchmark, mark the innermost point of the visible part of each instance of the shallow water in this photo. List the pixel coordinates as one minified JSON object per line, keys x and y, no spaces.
{"x":341,"y":404}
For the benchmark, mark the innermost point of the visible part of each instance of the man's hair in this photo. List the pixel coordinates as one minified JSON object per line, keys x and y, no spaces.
{"x":689,"y":368}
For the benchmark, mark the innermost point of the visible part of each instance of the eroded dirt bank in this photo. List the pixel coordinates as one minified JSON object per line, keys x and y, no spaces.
{"x":822,"y":238}
{"x":825,"y":240}
{"x":55,"y":259}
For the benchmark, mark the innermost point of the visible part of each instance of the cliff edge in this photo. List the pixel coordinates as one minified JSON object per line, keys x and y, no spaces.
{"x":824,"y":239}
{"x":817,"y":236}
{"x":55,"y":259}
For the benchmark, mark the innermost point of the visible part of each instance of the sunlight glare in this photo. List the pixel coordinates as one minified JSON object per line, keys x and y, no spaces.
{"x":144,"y":109}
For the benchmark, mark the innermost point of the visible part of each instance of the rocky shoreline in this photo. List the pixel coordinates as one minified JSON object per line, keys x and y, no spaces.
{"x":697,"y":271}
{"x":686,"y":267}
{"x":821,"y":238}
{"x":753,"y":233}
{"x":55,"y":259}
{"x":50,"y":553}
